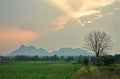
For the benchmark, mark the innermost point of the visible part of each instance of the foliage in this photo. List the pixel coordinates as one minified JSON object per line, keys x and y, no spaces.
{"x":69,"y":58}
{"x":101,"y":72}
{"x":85,"y":60}
{"x":108,"y":60}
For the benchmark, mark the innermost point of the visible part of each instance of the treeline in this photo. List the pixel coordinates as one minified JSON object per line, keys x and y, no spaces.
{"x":37,"y":58}
{"x":104,"y":60}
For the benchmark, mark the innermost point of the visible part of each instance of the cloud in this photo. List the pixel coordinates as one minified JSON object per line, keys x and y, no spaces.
{"x":60,"y":22}
{"x":81,"y":9}
{"x":62,"y":4}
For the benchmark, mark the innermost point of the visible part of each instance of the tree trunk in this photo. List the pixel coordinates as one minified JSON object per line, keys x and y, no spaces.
{"x":97,"y":60}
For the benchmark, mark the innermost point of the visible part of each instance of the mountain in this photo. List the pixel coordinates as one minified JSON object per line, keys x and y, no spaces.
{"x":71,"y":52}
{"x":29,"y":51}
{"x":32,"y":51}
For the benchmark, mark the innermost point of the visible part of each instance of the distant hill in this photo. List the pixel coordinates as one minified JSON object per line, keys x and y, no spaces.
{"x":32,"y":51}
{"x":71,"y":52}
{"x":29,"y":51}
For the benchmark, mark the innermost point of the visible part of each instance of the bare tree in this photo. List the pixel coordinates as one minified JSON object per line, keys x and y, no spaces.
{"x":98,"y":42}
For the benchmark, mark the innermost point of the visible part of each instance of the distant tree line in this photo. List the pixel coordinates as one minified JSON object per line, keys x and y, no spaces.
{"x":37,"y":58}
{"x":107,"y":60}
{"x":86,"y":60}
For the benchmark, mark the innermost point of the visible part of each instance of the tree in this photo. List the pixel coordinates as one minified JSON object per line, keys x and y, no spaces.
{"x":109,"y":60}
{"x":85,"y":60}
{"x":62,"y":57}
{"x":35,"y":58}
{"x":97,"y":42}
{"x":55,"y":57}
{"x":79,"y":60}
{"x":69,"y":58}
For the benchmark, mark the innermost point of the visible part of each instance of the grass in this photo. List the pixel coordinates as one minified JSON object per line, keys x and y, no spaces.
{"x":37,"y":70}
{"x":56,"y":70}
{"x":102,"y":72}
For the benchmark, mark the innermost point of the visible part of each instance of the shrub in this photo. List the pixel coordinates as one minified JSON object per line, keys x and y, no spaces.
{"x":108,"y":60}
{"x":85,"y":61}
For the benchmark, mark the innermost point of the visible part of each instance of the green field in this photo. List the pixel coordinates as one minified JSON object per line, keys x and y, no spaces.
{"x":56,"y":70}
{"x":37,"y":70}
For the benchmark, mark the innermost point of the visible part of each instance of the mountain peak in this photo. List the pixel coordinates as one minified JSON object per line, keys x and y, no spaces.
{"x":28,"y":47}
{"x":22,"y":46}
{"x":28,"y":51}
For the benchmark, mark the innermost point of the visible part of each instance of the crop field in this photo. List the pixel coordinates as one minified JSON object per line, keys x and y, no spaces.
{"x":56,"y":70}
{"x":37,"y":70}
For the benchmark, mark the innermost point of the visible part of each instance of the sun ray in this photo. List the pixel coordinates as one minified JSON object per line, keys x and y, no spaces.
{"x":85,"y":8}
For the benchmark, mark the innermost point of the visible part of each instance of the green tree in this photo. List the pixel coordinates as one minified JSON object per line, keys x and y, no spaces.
{"x":85,"y":60}
{"x":108,"y":60}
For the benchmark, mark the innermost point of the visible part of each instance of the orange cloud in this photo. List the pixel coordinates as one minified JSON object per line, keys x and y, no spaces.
{"x":11,"y":36}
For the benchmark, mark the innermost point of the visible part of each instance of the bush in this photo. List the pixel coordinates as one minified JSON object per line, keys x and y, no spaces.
{"x":108,"y":60}
{"x":85,"y":61}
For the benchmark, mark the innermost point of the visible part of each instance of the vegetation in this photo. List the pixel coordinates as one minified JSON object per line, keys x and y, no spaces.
{"x":106,"y":60}
{"x":98,"y":42}
{"x":101,"y":72}
{"x":25,"y":67}
{"x":65,"y":67}
{"x":37,"y":70}
{"x":86,"y":61}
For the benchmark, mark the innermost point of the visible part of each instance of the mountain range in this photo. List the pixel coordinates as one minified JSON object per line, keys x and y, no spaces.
{"x":32,"y":51}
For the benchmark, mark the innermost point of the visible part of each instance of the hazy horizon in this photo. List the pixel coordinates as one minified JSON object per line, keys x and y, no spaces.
{"x":55,"y":24}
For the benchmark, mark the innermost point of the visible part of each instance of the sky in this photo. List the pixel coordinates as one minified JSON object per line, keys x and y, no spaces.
{"x":55,"y":24}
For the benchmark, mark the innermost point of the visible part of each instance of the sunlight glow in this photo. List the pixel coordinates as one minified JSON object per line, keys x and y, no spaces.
{"x":15,"y":35}
{"x":84,"y":8}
